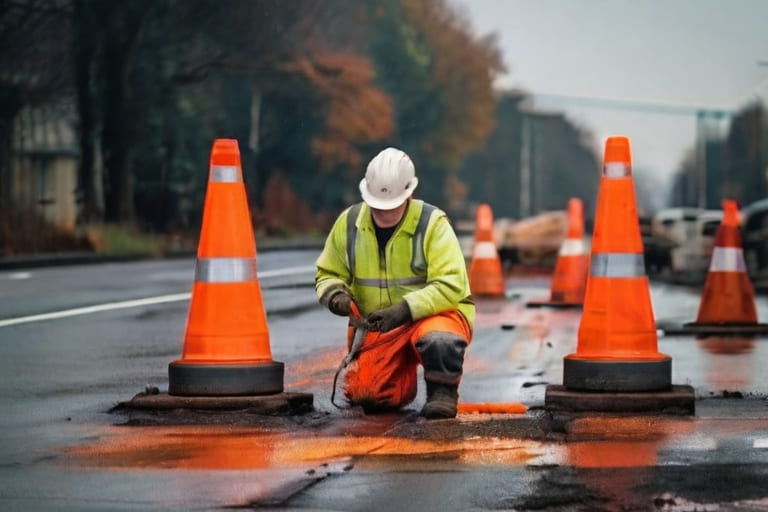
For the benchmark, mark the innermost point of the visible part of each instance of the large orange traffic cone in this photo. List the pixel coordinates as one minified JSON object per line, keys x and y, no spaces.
{"x":569,"y":281}
{"x":485,"y":274}
{"x":226,"y":346}
{"x":617,"y":342}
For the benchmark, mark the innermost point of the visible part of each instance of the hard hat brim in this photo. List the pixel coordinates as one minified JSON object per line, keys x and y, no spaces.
{"x":386,"y":204}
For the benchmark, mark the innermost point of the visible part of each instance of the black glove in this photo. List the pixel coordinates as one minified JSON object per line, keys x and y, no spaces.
{"x":390,"y":317}
{"x":340,"y":304}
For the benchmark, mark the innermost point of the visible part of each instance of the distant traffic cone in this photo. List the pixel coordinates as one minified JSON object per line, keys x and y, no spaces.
{"x":728,"y":298}
{"x":485,"y":274}
{"x":226,"y":346}
{"x":727,"y":304}
{"x":617,"y":342}
{"x":569,"y":281}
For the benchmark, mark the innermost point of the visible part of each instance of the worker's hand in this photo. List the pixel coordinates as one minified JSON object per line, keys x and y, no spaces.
{"x":340,"y":304}
{"x":390,"y":317}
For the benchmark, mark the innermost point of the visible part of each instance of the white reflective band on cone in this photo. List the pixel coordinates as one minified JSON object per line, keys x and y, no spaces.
{"x":616,"y":170}
{"x":727,"y":259}
{"x":617,"y":264}
{"x":572,"y":247}
{"x":225,"y":270}
{"x":225,"y":174}
{"x":485,"y":250}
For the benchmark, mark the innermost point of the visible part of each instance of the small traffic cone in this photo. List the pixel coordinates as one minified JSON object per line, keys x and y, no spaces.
{"x":485,"y":274}
{"x":617,"y":365}
{"x":569,"y":281}
{"x":727,"y":304}
{"x":728,"y":298}
{"x":226,"y":346}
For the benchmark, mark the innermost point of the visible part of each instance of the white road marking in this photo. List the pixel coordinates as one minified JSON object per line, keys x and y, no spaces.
{"x":19,"y":275}
{"x":110,"y":306}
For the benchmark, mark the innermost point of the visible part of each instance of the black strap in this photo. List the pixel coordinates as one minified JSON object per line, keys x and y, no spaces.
{"x":418,"y":261}
{"x":352,"y":214}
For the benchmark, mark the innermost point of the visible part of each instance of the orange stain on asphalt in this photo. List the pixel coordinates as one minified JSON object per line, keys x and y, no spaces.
{"x":491,"y":408}
{"x":183,"y":447}
{"x":316,"y":369}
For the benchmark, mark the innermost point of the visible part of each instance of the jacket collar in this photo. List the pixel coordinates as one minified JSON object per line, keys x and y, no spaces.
{"x":408,"y":223}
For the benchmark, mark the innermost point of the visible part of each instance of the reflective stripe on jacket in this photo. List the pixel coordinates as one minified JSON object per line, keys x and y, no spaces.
{"x":383,"y":278}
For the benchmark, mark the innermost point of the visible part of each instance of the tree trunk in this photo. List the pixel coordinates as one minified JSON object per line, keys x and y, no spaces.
{"x":252,"y":155}
{"x":114,"y":140}
{"x":84,"y":45}
{"x":10,"y":105}
{"x":253,"y":138}
{"x":123,"y":25}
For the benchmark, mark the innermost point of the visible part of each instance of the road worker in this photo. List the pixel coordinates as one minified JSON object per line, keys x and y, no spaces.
{"x":396,"y":260}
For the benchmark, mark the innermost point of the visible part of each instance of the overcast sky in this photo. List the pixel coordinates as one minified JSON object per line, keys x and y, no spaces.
{"x":700,"y":53}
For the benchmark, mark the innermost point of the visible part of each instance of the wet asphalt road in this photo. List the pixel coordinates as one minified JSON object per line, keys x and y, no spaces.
{"x":61,"y":448}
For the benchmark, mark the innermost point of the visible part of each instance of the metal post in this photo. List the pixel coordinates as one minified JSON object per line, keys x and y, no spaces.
{"x":525,"y":168}
{"x":701,"y":160}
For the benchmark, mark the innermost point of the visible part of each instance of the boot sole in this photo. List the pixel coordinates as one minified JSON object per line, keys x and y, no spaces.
{"x":435,"y":412}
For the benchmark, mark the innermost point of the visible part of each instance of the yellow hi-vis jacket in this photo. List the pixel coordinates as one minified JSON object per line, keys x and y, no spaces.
{"x":421,"y":263}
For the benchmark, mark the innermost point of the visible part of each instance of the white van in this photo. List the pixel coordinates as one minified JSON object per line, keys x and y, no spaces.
{"x":708,"y":223}
{"x":754,"y":227}
{"x":680,"y":227}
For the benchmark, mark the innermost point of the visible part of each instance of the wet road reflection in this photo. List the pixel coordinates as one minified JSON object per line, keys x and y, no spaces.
{"x":590,"y":460}
{"x":227,"y":448}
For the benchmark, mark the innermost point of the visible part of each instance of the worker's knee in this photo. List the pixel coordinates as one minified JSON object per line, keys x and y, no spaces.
{"x":442,"y":356}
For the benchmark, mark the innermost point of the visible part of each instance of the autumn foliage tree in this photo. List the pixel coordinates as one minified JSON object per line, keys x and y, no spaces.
{"x":440,"y":77}
{"x":356,"y":112}
{"x":461,"y":70}
{"x":311,"y":89}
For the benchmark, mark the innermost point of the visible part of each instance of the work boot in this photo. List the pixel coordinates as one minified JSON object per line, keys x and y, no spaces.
{"x":441,"y":401}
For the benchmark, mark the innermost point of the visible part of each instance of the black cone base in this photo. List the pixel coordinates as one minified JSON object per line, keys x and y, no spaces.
{"x":602,"y":375}
{"x":678,"y":400}
{"x":244,"y":379}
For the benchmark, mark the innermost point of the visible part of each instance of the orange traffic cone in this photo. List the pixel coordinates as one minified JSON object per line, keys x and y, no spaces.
{"x":226,"y":346}
{"x":485,"y":274}
{"x":727,"y":304}
{"x":569,"y":280}
{"x":728,"y":297}
{"x":617,"y":342}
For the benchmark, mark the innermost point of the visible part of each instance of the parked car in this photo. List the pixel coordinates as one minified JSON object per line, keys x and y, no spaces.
{"x":679,"y":228}
{"x":704,"y":241}
{"x":754,"y":227}
{"x":657,"y":250}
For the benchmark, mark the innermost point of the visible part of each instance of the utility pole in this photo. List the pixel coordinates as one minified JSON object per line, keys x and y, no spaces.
{"x":525,"y":166}
{"x":763,"y":136}
{"x":701,"y":160}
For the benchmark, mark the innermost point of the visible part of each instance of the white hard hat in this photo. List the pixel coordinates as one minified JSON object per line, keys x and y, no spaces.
{"x":389,"y":180}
